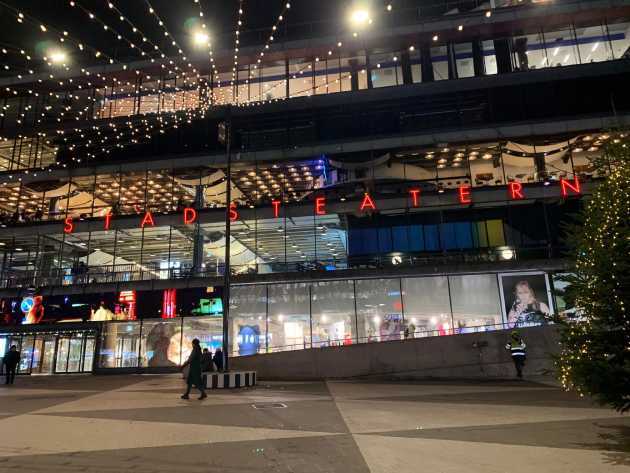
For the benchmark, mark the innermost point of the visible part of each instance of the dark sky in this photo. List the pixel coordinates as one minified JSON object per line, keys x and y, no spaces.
{"x":306,"y":18}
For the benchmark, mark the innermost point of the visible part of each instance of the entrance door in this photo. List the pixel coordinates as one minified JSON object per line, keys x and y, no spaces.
{"x":75,"y":354}
{"x":63,"y":350}
{"x":46,"y":355}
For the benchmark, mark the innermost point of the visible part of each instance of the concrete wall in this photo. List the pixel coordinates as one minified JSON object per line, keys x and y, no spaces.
{"x":435,"y":357}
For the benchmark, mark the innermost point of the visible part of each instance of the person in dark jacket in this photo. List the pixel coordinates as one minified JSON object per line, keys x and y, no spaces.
{"x":206,"y":361}
{"x":11,"y":361}
{"x":194,"y":373}
{"x":218,"y":359}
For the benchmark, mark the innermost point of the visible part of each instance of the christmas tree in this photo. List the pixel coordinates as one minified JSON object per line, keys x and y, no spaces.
{"x":595,"y":347}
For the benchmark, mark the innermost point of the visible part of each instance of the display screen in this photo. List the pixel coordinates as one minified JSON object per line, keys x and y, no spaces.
{"x":526,"y":298}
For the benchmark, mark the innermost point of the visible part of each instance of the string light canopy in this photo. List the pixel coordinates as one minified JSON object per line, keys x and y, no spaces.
{"x":87,"y":97}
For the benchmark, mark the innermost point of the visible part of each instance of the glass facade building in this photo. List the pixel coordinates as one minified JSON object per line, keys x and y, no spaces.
{"x":407,"y":182}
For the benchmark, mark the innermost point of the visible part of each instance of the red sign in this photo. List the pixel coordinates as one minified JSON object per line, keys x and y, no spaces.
{"x":367,"y":202}
{"x":415,"y":197}
{"x":320,"y":206}
{"x":516,"y":191}
{"x":147,"y":220}
{"x":465,"y":195}
{"x":190,"y":215}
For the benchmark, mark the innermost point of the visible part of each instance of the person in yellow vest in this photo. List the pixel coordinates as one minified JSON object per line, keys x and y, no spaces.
{"x":517,"y":348}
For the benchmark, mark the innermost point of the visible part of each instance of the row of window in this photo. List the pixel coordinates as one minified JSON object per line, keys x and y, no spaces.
{"x":282,"y":244}
{"x":331,"y":74}
{"x":280,"y":317}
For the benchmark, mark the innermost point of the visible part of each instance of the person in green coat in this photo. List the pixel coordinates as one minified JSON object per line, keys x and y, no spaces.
{"x":194,"y":372}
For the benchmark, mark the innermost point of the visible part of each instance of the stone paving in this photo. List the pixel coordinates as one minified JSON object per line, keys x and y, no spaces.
{"x":139,"y":424}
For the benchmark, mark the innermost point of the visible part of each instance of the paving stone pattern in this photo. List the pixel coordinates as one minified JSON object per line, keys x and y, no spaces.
{"x":138,"y":423}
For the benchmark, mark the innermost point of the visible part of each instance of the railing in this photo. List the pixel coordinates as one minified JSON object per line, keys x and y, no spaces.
{"x":403,"y":335}
{"x":148,"y":272}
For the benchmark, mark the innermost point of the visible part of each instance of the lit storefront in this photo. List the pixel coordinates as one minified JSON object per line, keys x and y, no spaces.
{"x":295,"y":316}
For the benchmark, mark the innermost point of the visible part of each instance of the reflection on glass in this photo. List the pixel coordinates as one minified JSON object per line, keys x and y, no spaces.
{"x":332,"y":305}
{"x":209,"y":332}
{"x":427,"y":306}
{"x":160,"y":344}
{"x":248,"y":314}
{"x":26,"y":355}
{"x":63,"y":348}
{"x":119,"y":345}
{"x":379,"y":310}
{"x":88,"y":359}
{"x":475,"y":301}
{"x":289,"y":317}
{"x":74,"y":359}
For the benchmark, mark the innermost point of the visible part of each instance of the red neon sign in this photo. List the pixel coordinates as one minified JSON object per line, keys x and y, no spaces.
{"x":233,"y":213}
{"x":367,"y":202}
{"x":190,"y":215}
{"x":147,"y":220}
{"x":276,"y":207}
{"x":566,"y":185}
{"x":464,"y":195}
{"x":108,"y":220}
{"x":68,"y":226}
{"x":516,"y":190}
{"x":320,"y":206}
{"x":415,"y":197}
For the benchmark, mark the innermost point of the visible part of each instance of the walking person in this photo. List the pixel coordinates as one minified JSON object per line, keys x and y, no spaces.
{"x":194,"y":371}
{"x":517,"y":349}
{"x":218,"y":360}
{"x":11,"y":361}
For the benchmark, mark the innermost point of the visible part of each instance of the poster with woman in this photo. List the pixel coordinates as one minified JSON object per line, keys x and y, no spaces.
{"x":526,"y":298}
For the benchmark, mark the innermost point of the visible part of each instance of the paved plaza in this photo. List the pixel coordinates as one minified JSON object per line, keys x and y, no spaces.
{"x":139,"y":424}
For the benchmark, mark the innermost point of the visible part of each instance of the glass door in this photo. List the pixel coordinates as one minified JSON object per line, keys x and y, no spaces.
{"x":88,"y":357}
{"x":38,"y":350}
{"x":47,"y":354}
{"x":63,"y":350}
{"x":75,"y":354}
{"x":26,"y":355}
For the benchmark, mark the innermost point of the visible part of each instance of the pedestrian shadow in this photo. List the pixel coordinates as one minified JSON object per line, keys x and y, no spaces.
{"x":614,"y":445}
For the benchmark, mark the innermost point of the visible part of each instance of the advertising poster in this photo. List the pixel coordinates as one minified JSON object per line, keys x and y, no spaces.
{"x":526,"y":298}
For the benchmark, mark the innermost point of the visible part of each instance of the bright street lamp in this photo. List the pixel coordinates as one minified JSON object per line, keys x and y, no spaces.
{"x":58,"y":56}
{"x":200,"y":38}
{"x":360,"y":17}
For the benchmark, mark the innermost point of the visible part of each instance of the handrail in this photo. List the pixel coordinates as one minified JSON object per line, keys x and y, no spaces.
{"x":130,"y":272}
{"x":336,"y":343}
